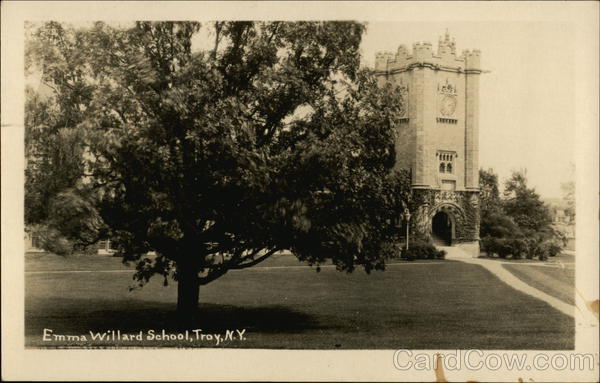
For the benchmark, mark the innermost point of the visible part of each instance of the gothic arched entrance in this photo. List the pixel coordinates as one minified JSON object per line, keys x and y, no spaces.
{"x":442,"y":228}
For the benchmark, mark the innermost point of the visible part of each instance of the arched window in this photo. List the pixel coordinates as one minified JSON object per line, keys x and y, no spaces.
{"x":446,"y":161}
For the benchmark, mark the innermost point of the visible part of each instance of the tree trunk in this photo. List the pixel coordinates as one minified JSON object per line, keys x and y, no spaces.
{"x":188,"y":291}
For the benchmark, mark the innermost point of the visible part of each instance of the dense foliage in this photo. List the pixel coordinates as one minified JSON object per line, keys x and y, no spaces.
{"x":421,"y":249}
{"x":518,"y":223}
{"x":212,"y":157}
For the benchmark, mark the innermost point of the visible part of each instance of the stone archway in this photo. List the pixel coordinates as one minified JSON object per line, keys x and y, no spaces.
{"x":460,"y":208}
{"x":443,"y":225}
{"x":442,"y":228}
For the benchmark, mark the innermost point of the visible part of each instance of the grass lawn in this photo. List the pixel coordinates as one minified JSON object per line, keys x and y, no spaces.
{"x":555,"y":281}
{"x":563,"y":258}
{"x":49,"y":262}
{"x":416,"y":305}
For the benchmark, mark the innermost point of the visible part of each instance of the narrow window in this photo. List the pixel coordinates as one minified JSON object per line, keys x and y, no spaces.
{"x":446,"y":161}
{"x":36,"y":242}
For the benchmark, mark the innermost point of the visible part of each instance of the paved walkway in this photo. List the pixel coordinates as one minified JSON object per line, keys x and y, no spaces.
{"x":585,"y":316}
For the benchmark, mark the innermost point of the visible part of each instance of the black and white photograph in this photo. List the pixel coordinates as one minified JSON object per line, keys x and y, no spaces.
{"x":331,"y":191}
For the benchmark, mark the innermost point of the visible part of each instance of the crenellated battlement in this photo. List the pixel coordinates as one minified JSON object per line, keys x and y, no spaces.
{"x":382,"y":59}
{"x":445,"y":58}
{"x":473,"y":59}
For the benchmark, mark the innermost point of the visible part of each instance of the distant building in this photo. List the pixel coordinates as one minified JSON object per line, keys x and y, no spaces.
{"x":105,"y":247}
{"x":438,"y":137}
{"x":559,"y":216}
{"x":33,"y":245}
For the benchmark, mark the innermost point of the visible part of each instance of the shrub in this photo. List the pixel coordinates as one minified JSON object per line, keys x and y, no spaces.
{"x":543,"y":246}
{"x":52,"y":241}
{"x":531,"y":245}
{"x":542,"y":251}
{"x":548,"y":248}
{"x":421,"y":249}
{"x":504,"y":247}
{"x":517,"y":246}
{"x":392,"y":250}
{"x":500,"y":247}
{"x":488,"y":245}
{"x":554,"y":248}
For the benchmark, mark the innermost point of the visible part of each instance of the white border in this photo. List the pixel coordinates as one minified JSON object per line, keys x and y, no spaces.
{"x":250,"y":365}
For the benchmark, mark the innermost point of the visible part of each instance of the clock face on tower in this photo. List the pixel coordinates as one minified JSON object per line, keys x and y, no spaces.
{"x":448,"y":106}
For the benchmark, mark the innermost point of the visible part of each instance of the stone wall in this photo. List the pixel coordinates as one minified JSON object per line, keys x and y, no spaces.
{"x":462,"y":206}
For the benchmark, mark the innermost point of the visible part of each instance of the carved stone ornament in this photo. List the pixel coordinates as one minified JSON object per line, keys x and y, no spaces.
{"x":447,"y":88}
{"x":447,"y":99}
{"x":448,"y":106}
{"x":445,"y":196}
{"x":474,"y":200}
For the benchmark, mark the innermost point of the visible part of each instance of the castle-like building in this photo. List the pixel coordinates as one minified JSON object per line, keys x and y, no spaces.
{"x":438,"y":137}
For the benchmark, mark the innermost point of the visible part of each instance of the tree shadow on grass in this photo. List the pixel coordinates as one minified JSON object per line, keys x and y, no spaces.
{"x":79,"y":316}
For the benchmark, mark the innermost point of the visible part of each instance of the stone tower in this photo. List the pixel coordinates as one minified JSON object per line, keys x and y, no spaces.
{"x":438,"y":137}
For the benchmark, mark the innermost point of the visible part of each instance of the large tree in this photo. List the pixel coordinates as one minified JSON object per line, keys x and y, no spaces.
{"x":58,"y":201}
{"x":215,"y":156}
{"x":524,"y":205}
{"x":494,"y":220}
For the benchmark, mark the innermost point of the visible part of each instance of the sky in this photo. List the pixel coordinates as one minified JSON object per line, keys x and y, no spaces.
{"x":526,"y":101}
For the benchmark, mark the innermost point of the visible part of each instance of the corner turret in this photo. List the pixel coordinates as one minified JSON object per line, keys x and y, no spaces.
{"x":401,"y":53}
{"x":381,"y":60}
{"x":422,"y":51}
{"x":472,"y":59}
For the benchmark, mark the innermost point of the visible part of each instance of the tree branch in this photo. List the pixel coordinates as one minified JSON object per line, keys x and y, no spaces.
{"x":218,"y":27}
{"x":255,"y":261}
{"x":277,"y":24}
{"x":222,"y":269}
{"x":212,"y":276}
{"x":56,"y":92}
